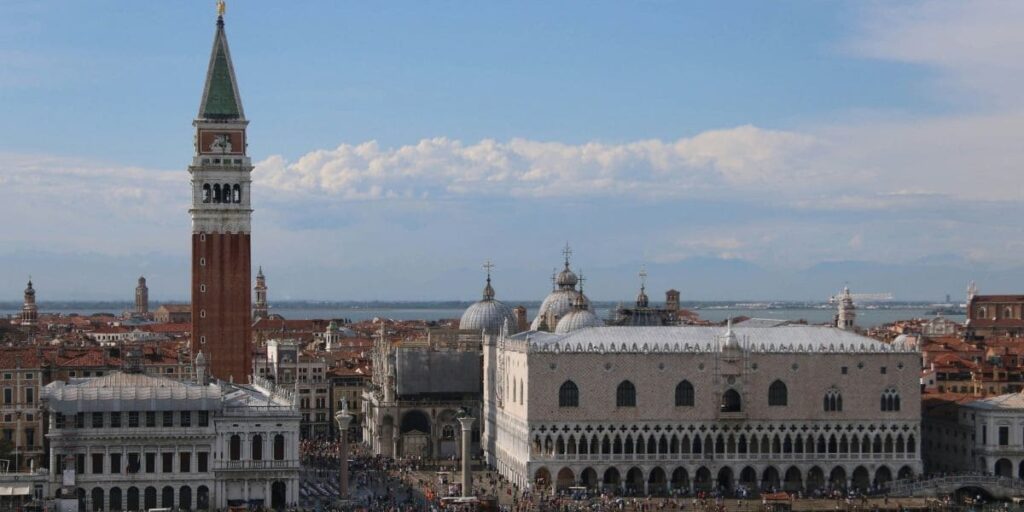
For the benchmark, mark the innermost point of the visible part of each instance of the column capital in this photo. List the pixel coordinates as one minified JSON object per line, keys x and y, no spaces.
{"x":466,"y":422}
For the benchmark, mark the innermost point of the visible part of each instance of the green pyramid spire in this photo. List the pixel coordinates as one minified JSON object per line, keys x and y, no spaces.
{"x":220,"y":96}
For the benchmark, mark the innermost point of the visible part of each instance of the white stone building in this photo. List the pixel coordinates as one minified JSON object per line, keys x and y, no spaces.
{"x":997,"y":434}
{"x":657,"y":409}
{"x":131,"y":441}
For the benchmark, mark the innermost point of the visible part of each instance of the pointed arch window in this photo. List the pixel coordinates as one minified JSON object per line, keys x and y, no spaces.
{"x":569,"y":394}
{"x":625,"y":394}
{"x":890,"y":400}
{"x":833,"y":401}
{"x":684,"y":394}
{"x":778,"y":395}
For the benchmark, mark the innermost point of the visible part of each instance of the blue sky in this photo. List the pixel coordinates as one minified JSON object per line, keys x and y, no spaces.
{"x":739,"y":150}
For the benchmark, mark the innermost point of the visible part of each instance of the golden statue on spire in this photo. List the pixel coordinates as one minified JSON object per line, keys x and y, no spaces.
{"x":221,"y":7}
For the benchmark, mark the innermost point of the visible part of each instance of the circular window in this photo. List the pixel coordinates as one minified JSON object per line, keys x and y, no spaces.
{"x":795,"y":367}
{"x":661,"y":366}
{"x":753,"y":366}
{"x":731,"y":380}
{"x":607,"y":366}
{"x":553,"y":366}
{"x":700,"y":366}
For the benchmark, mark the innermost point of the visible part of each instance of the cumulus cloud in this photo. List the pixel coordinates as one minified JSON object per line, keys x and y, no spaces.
{"x":743,"y":157}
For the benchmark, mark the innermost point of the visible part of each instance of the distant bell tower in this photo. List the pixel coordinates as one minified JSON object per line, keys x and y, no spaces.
{"x":29,"y":310}
{"x":221,"y":212}
{"x":260,"y":310}
{"x":847,"y":313}
{"x":142,"y":298}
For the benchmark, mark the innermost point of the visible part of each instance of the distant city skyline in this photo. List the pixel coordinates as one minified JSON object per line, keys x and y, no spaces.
{"x":748,"y":151}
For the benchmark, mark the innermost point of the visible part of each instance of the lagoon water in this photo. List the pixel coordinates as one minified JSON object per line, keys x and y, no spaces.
{"x":865,"y":317}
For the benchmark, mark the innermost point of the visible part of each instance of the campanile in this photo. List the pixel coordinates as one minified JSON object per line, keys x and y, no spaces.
{"x":221,"y":212}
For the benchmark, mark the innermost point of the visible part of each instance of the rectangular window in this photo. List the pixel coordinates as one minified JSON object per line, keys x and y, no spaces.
{"x":844,"y":370}
{"x":115,"y":462}
{"x":115,"y":420}
{"x":30,"y":436}
{"x":204,"y":418}
{"x":97,"y":420}
{"x":984,"y":434}
{"x":58,"y":421}
{"x":150,"y":419}
{"x":80,"y":463}
{"x":186,"y":418}
{"x":150,"y":463}
{"x":1004,"y":436}
{"x":185,"y":462}
{"x":80,"y":420}
{"x":134,"y":463}
{"x":9,"y":434}
{"x":204,"y":462}
{"x":133,"y":419}
{"x":8,"y":395}
{"x":168,"y":418}
{"x":168,"y":462}
{"x":97,"y":463}
{"x":29,"y":376}
{"x":30,"y":395}
{"x":883,"y":370}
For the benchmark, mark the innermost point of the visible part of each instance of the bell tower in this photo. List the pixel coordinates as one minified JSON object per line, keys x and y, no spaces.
{"x":221,"y":212}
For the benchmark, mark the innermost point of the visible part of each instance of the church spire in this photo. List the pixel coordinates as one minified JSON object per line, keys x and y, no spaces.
{"x":220,"y":92}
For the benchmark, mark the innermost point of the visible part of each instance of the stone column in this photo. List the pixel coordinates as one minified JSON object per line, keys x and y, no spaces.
{"x":343,"y":418}
{"x":467,"y":442}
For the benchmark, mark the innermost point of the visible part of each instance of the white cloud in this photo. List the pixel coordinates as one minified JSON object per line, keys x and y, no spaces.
{"x":743,"y":157}
{"x":975,"y":46}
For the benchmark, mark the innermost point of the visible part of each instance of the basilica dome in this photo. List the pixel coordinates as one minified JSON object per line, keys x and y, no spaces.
{"x":578,"y":319}
{"x":487,"y":315}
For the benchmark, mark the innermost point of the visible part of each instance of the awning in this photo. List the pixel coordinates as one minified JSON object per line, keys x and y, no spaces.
{"x":15,"y":490}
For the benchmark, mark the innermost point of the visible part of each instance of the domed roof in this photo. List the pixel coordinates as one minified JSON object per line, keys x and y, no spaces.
{"x":29,"y":290}
{"x":566,"y":278}
{"x":558,"y":303}
{"x":487,"y":315}
{"x":576,"y":320}
{"x":641,"y":299}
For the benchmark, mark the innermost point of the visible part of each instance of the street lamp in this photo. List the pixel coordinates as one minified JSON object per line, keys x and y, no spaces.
{"x":343,"y":418}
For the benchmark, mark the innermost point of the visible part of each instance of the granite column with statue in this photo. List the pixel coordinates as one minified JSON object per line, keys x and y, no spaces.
{"x":467,"y":460}
{"x":343,"y":418}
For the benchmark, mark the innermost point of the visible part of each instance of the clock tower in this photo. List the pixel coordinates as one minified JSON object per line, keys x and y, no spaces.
{"x":221,"y":211}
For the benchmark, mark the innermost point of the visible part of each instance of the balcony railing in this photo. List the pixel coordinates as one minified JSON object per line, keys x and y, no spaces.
{"x":722,"y":456}
{"x":255,"y":464}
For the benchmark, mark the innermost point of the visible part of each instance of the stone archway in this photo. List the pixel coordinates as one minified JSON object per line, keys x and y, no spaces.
{"x":657,"y":482}
{"x":794,"y":480}
{"x":883,"y":475}
{"x":861,"y":478}
{"x":770,"y":480}
{"x":815,"y":479}
{"x":725,"y":479}
{"x":635,"y":480}
{"x":837,"y":478}
{"x":588,"y":478}
{"x":542,"y":478}
{"x":906,"y":473}
{"x":565,"y":479}
{"x":415,"y":432}
{"x":611,"y":478}
{"x":702,"y":479}
{"x":680,"y":479}
{"x":748,"y":478}
{"x":1004,"y":467}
